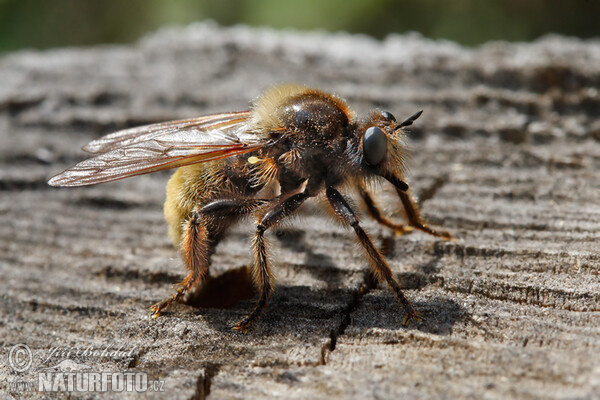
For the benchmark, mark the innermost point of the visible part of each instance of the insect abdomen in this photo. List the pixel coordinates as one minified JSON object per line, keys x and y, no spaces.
{"x":193,"y":186}
{"x":180,"y":201}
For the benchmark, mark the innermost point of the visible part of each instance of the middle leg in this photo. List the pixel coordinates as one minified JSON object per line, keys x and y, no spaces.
{"x":261,"y":271}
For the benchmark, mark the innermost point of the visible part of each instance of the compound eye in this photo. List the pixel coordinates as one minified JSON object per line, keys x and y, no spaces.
{"x":389,"y":116}
{"x":374,"y":145}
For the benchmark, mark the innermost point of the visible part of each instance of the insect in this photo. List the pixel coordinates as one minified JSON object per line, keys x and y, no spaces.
{"x":294,"y":143}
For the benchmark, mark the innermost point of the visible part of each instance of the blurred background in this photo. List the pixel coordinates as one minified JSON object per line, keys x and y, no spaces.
{"x":51,"y":23}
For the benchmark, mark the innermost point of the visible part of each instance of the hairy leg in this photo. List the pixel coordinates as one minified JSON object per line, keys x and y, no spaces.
{"x":414,"y":216}
{"x":411,"y":210}
{"x":195,"y":249}
{"x":203,"y":229}
{"x":377,"y":215}
{"x":261,"y":269}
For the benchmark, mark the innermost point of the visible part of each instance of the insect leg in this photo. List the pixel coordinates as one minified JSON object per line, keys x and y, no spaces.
{"x":378,"y":263}
{"x":197,"y":246}
{"x":232,"y":207}
{"x":261,"y":270}
{"x":414,"y":216}
{"x":195,"y":254}
{"x":377,"y":215}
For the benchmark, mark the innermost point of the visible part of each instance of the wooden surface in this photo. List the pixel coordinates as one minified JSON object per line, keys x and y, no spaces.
{"x":505,"y":156}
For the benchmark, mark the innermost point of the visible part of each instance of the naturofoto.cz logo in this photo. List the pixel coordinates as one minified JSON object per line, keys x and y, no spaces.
{"x":70,"y":375}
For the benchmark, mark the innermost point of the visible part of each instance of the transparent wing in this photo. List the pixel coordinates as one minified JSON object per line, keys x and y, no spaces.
{"x":156,"y":152}
{"x":141,"y":133}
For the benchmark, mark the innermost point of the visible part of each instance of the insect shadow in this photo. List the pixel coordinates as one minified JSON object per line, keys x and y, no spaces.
{"x":229,"y":288}
{"x":295,"y":240}
{"x":369,"y":306}
{"x":381,"y":311}
{"x":289,"y":308}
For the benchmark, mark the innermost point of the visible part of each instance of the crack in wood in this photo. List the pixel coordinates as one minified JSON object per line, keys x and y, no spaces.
{"x":369,"y":283}
{"x":204,"y":381}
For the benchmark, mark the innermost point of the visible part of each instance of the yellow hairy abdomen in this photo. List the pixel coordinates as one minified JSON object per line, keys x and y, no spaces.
{"x":182,"y":194}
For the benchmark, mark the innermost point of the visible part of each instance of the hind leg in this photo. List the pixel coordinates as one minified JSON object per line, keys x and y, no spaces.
{"x":195,"y":251}
{"x":202,"y":232}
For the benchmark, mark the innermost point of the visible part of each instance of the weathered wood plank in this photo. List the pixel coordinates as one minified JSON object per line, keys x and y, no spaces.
{"x":505,"y":156}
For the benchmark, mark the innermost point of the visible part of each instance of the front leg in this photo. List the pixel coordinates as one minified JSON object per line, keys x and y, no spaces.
{"x":261,"y":270}
{"x":377,"y":214}
{"x":414,"y":216}
{"x":411,"y":210}
{"x":377,"y":262}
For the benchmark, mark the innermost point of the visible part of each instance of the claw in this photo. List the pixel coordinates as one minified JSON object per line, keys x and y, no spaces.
{"x":411,"y":314}
{"x":241,"y":326}
{"x":155,"y":310}
{"x":449,"y":238}
{"x":444,"y":235}
{"x":402,"y":230}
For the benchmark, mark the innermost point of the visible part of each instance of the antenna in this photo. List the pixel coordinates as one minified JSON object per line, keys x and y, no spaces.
{"x":409,"y":121}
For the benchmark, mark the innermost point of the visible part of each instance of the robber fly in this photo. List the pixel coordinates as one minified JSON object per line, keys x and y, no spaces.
{"x":294,"y":144}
